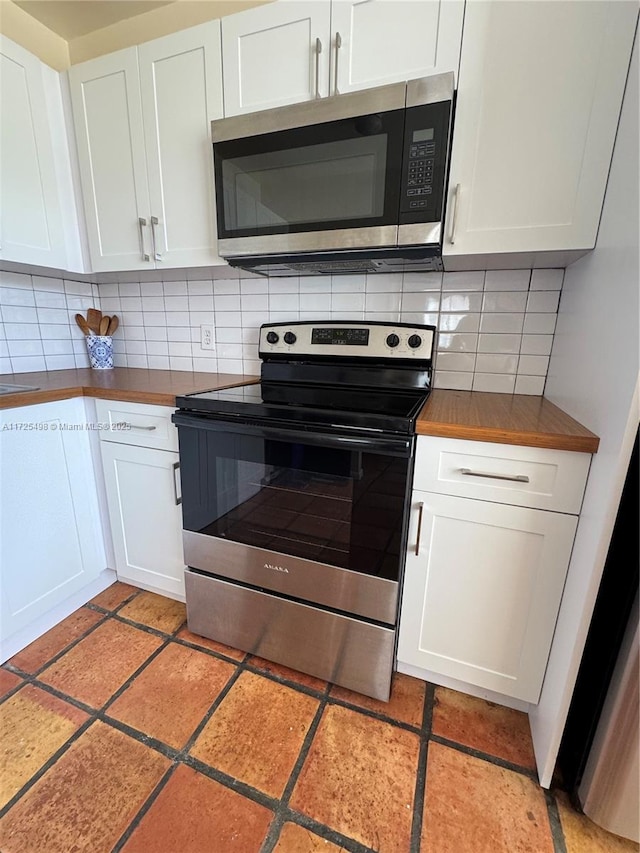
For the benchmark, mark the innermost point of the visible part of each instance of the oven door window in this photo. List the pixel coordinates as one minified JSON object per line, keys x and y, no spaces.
{"x":342,"y":174}
{"x":327,"y":504}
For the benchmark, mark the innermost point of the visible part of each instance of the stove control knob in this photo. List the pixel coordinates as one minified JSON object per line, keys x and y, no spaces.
{"x":289,"y":338}
{"x":273,"y":337}
{"x":393,"y":341}
{"x":414,"y":341}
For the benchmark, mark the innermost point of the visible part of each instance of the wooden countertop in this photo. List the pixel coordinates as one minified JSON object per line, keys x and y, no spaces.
{"x":505,"y":419}
{"x":129,"y":384}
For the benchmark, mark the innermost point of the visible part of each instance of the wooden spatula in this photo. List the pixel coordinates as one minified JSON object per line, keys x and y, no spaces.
{"x":104,"y":325}
{"x":82,"y":323}
{"x":94,"y":316}
{"x":113,"y":324}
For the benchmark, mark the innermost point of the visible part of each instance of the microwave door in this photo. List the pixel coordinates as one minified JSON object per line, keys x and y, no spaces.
{"x":312,"y":188}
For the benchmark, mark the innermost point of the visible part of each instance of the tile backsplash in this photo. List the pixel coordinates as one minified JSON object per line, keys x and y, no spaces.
{"x":495,"y":328}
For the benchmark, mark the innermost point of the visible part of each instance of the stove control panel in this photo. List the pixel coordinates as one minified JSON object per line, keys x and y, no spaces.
{"x":345,"y":338}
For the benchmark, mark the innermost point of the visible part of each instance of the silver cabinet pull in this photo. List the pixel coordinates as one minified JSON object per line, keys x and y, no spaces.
{"x":338,"y":46}
{"x":318,"y":52}
{"x":514,"y":478}
{"x":141,"y":223}
{"x":454,"y":216}
{"x":178,"y":498}
{"x":420,"y":511}
{"x":127,"y":425}
{"x":156,"y":254}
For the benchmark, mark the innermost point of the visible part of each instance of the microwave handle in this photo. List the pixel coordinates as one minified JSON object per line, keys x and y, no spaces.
{"x":336,"y":91}
{"x":454,"y":215}
{"x":318,"y":52}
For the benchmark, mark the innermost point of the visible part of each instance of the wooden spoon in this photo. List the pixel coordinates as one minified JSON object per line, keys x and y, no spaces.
{"x":113,"y":324}
{"x":104,"y":325}
{"x":94,"y":316}
{"x":82,"y":323}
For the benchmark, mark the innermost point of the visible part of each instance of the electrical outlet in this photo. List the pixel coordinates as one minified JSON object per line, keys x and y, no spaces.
{"x":207,"y":340}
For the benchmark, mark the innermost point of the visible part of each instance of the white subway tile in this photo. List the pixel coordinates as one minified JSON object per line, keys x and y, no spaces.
{"x":79,"y":304}
{"x":494,"y":382}
{"x":20,"y":296}
{"x":315,"y":302}
{"x":315,"y":284}
{"x":230,"y":319}
{"x":19,"y":314}
{"x":16,"y":279}
{"x":458,"y":322}
{"x":4,"y":349}
{"x":417,"y":281}
{"x":536,"y":344}
{"x":179,"y":348}
{"x":137,"y":361}
{"x":109,"y":291}
{"x":533,"y":365}
{"x":289,"y":284}
{"x":54,"y":315}
{"x":198,"y":318}
{"x":501,"y":323}
{"x":453,"y":380}
{"x":421,"y":319}
{"x":55,"y":331}
{"x":388,"y":303}
{"x":547,"y":279}
{"x":463,"y":362}
{"x":504,"y":302}
{"x":232,"y":351}
{"x":247,"y":336}
{"x":82,"y":360}
{"x":119,"y":345}
{"x":457,"y":342}
{"x":544,"y":301}
{"x":129,"y":288}
{"x":284,"y":302}
{"x":157,"y":348}
{"x":248,"y":318}
{"x":158,"y":362}
{"x":136,"y":347}
{"x":41,"y":282}
{"x":60,"y":362}
{"x":533,"y":385}
{"x":5,"y":365}
{"x":201,"y":303}
{"x":176,"y":303}
{"x":79,"y":346}
{"x":251,"y":367}
{"x":119,"y":360}
{"x":79,"y":288}
{"x":496,"y":363}
{"x":206,"y":365}
{"x":133,"y":333}
{"x":131,"y":303}
{"x":22,"y":331}
{"x":254,"y":302}
{"x":226,"y":302}
{"x":232,"y":336}
{"x":175,"y":288}
{"x":507,"y":279}
{"x":283,"y":316}
{"x":349,"y":283}
{"x":539,"y":324}
{"x":179,"y":333}
{"x":28,"y":364}
{"x":461,"y":302}
{"x":155,"y":333}
{"x":111,"y":305}
{"x":254,"y":287}
{"x":155,"y":318}
{"x":384,"y":283}
{"x":229,"y":365}
{"x":226,"y":287}
{"x":499,"y":343}
{"x":348,"y":302}
{"x":463,"y":280}
{"x":57,"y":347}
{"x":423,"y":301}
{"x":151,"y":288}
{"x":178,"y":318}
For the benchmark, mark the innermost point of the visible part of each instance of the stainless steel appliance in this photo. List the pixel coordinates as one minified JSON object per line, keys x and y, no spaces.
{"x":295,"y":496}
{"x":349,"y":183}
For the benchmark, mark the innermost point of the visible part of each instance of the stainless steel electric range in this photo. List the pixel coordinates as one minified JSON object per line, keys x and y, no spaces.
{"x":295,"y":496}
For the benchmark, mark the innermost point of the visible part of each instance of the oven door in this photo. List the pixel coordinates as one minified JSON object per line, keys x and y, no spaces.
{"x":311,"y":188}
{"x":316,"y":517}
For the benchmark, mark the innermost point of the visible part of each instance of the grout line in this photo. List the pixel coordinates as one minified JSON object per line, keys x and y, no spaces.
{"x":144,"y":808}
{"x":557,"y":832}
{"x":421,"y":774}
{"x":326,"y":833}
{"x":485,"y":756}
{"x":218,"y":655}
{"x":231,"y":782}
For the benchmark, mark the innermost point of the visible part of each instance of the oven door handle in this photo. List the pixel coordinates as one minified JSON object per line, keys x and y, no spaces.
{"x":387,"y":446}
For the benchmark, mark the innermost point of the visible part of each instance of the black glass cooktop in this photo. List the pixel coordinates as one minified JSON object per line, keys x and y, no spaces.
{"x":298,"y":404}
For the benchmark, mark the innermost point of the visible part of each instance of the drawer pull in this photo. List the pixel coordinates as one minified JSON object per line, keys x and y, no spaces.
{"x":127,"y":425}
{"x":178,"y":498}
{"x":514,"y":478}
{"x":420,"y":511}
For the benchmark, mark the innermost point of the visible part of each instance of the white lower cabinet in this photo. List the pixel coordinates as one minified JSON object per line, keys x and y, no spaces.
{"x":143,"y":498}
{"x":483,"y":580}
{"x":51,"y":537}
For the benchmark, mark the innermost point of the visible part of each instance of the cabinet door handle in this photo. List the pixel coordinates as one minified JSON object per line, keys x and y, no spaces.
{"x":336,"y":91}
{"x":127,"y":425}
{"x":420,"y":511}
{"x":156,"y":254}
{"x":514,"y":478}
{"x":178,"y":498}
{"x":454,"y":215}
{"x":318,"y":52}
{"x":141,"y":223}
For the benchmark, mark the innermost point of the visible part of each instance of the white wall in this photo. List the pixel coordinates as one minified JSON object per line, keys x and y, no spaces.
{"x":593,"y":375}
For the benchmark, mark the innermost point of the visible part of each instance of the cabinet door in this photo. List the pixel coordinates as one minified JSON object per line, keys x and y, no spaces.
{"x":539,"y":95}
{"x":269,"y":55}
{"x":146,"y":520}
{"x":51,"y":542}
{"x":31,"y":224}
{"x":181,"y":86}
{"x":387,"y":41}
{"x":480,"y":599}
{"x":107,"y":112}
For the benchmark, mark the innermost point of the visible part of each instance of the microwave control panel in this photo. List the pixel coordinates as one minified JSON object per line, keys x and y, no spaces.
{"x":426,"y":145}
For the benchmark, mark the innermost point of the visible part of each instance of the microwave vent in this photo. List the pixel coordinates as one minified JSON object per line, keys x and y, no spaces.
{"x":334,"y":267}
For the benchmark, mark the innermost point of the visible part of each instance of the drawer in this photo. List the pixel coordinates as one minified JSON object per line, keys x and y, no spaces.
{"x":522,"y":476}
{"x":137,"y":423}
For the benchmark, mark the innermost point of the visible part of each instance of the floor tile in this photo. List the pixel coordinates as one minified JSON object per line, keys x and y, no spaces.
{"x":297,"y":839}
{"x":194,"y":814}
{"x":289,"y":674}
{"x":114,"y":595}
{"x":8,"y":680}
{"x":484,"y":726}
{"x":35,"y":655}
{"x":212,"y":645}
{"x":471,"y":804}
{"x":582,"y":835}
{"x":359,"y":779}
{"x":171,"y":696}
{"x":87,"y":799}
{"x":257,"y":732}
{"x":156,"y":611}
{"x":33,"y":725}
{"x":101,"y":663}
{"x":406,"y":703}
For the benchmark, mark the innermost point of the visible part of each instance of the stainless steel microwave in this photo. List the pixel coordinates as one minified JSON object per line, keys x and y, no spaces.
{"x":351,"y":183}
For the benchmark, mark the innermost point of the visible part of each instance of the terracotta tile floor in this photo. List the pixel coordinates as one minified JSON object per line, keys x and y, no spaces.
{"x":122,"y":731}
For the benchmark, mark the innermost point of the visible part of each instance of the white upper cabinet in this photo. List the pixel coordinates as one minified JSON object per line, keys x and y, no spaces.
{"x":539,"y":95}
{"x":290,"y":51}
{"x":142,"y":120}
{"x":388,"y":41}
{"x":31,"y":221}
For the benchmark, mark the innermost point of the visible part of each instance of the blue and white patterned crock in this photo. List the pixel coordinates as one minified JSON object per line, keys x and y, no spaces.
{"x":100,"y":351}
